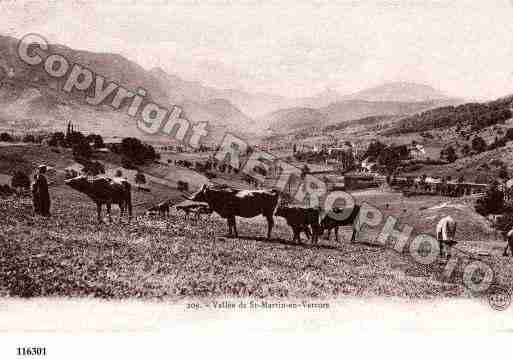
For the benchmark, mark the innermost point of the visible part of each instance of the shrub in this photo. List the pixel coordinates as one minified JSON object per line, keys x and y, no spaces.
{"x":465,"y":150}
{"x":492,"y":202}
{"x":128,"y":163}
{"x":93,"y":168}
{"x":5,"y":137}
{"x":70,"y":173}
{"x":449,"y":154}
{"x":29,"y":138}
{"x":182,"y":186}
{"x":497,"y":162}
{"x":140,"y":178}
{"x":82,"y":149}
{"x":478,"y":144}
{"x":505,"y":223}
{"x":96,"y":140}
{"x":138,"y":151}
{"x":503,"y":174}
{"x":210,"y":174}
{"x":6,"y":190}
{"x":57,"y":139}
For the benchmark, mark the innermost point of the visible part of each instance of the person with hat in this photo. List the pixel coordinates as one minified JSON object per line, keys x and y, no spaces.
{"x":509,"y":238}
{"x":41,"y":196}
{"x":35,"y":196}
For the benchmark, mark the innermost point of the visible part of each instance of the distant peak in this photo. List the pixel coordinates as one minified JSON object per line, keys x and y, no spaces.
{"x":400,"y":92}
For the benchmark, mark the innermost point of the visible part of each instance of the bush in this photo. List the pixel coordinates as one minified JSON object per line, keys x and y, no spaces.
{"x":505,"y":223}
{"x":465,"y":150}
{"x":6,"y":190}
{"x":5,"y":137}
{"x":210,"y":175}
{"x":509,"y":134}
{"x":29,"y":138}
{"x":478,"y":144}
{"x":82,"y":149}
{"x":93,"y":168}
{"x":503,"y":174}
{"x":128,"y":163}
{"x":449,"y":154}
{"x":57,"y":139}
{"x":20,"y":180}
{"x":492,"y":202}
{"x":70,"y":173}
{"x":138,"y":151}
{"x":140,"y":178}
{"x":96,"y":140}
{"x":497,"y":162}
{"x":182,"y":186}
{"x":374,"y":149}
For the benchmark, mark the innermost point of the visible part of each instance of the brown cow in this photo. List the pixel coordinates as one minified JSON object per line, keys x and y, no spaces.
{"x":229,"y":203}
{"x":106,"y":191}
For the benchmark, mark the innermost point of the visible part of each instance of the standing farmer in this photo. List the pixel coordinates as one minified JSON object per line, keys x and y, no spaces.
{"x":509,"y":237}
{"x":41,"y":197}
{"x":35,"y":196}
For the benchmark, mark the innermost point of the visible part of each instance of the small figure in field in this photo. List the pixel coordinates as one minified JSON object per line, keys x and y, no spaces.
{"x":445,"y":232}
{"x":509,"y":237}
{"x":41,"y":196}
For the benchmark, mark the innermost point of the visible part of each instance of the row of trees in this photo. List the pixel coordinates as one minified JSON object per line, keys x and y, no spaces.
{"x":389,"y":156}
{"x":477,"y":145}
{"x":492,"y":202}
{"x":135,"y":153}
{"x":475,"y":115}
{"x":29,"y":138}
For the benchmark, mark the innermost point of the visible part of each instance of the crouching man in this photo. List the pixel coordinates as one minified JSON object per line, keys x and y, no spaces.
{"x":445,"y":233}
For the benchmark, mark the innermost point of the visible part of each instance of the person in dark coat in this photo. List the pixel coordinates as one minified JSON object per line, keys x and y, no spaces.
{"x":41,"y":194}
{"x":35,"y":196}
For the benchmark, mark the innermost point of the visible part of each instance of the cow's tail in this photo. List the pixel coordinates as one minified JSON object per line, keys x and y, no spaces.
{"x":356,"y":225}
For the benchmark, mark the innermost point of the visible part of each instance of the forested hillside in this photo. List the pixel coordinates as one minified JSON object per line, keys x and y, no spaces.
{"x":477,"y":115}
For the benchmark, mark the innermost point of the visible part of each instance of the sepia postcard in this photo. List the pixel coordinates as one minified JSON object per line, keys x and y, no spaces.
{"x":255,"y":178}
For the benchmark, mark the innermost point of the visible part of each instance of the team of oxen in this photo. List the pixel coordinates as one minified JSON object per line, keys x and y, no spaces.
{"x":228,"y":203}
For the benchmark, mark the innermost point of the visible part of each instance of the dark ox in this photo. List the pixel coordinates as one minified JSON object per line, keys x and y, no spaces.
{"x":301,"y":219}
{"x":105,"y":191}
{"x":229,"y":203}
{"x":340,"y":217}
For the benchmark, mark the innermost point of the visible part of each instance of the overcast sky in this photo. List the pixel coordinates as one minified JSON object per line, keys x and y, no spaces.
{"x":292,"y":48}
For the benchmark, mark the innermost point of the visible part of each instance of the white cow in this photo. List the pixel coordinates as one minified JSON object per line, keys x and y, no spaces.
{"x":445,"y":232}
